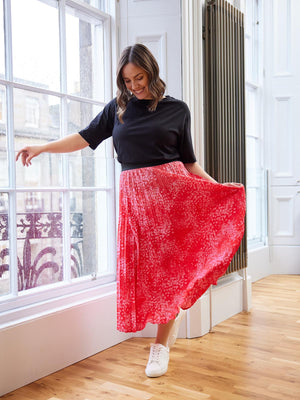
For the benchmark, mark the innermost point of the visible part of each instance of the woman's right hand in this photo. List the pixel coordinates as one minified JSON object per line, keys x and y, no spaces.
{"x":66,"y":144}
{"x":28,"y":153}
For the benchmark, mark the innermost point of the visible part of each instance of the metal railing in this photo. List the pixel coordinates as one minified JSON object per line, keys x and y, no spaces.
{"x":40,"y":230}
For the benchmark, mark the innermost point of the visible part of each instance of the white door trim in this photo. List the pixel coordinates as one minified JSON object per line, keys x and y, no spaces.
{"x":192,"y":70}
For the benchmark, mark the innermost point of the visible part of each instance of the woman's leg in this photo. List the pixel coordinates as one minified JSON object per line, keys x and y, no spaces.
{"x":159,"y":352}
{"x":163,"y":332}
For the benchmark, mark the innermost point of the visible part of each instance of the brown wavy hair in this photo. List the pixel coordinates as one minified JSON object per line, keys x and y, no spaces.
{"x":142,"y":57}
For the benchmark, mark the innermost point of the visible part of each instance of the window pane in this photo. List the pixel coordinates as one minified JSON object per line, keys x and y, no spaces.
{"x":255,"y":64}
{"x":89,"y":170}
{"x":39,"y":239}
{"x":100,"y":4}
{"x":249,"y":17}
{"x":256,"y":205}
{"x":35,"y":39}
{"x":89,"y":242}
{"x":85,"y":56}
{"x":255,"y":222}
{"x":251,"y":104}
{"x":86,"y":167}
{"x":80,"y":114}
{"x":252,"y":228}
{"x":37,"y":121}
{"x":3,"y":142}
{"x":4,"y":245}
{"x":46,"y":170}
{"x":252,"y":147}
{"x":251,"y":42}
{"x":2,"y":59}
{"x":248,"y":58}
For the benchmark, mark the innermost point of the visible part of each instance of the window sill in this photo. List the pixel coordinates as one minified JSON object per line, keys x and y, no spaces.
{"x":256,"y":244}
{"x":23,"y":312}
{"x":257,"y":247}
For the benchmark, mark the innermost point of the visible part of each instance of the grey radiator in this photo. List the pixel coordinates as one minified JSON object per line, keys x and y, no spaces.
{"x":224,"y":99}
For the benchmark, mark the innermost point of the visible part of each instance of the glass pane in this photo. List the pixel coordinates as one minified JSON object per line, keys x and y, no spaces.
{"x":248,"y":58}
{"x":249,"y":17}
{"x":2,"y":59}
{"x":100,"y":4}
{"x":254,"y":172}
{"x":86,"y":167}
{"x":37,"y":121}
{"x":256,"y":207}
{"x":4,"y":245}
{"x":251,"y":40}
{"x":3,"y":142}
{"x":89,"y":241}
{"x":252,"y":153}
{"x":252,"y":227}
{"x":89,"y":170}
{"x":80,"y":114}
{"x":85,"y":55}
{"x":39,"y":239}
{"x":35,"y":38}
{"x":255,"y":222}
{"x":255,"y":64}
{"x":251,"y":110}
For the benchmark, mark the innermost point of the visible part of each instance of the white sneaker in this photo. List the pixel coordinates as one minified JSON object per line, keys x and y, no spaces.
{"x":175,"y":328}
{"x":158,"y":360}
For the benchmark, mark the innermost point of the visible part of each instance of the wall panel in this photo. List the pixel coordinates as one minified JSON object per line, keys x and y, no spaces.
{"x":281,"y":37}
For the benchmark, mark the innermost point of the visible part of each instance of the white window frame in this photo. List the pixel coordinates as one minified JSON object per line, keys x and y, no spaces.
{"x":256,"y":86}
{"x":26,"y":304}
{"x":3,"y":106}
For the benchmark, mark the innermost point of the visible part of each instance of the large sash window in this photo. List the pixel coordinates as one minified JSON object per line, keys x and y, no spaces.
{"x":57,"y":217}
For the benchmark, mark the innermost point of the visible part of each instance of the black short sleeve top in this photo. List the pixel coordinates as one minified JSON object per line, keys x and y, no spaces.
{"x":146,"y":138}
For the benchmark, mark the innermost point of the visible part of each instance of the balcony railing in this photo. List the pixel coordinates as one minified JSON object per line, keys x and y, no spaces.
{"x":38,"y":255}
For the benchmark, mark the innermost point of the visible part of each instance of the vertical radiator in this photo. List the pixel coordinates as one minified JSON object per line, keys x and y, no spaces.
{"x":225,"y":101}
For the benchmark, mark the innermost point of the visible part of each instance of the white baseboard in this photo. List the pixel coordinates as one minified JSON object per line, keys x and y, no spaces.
{"x":198,"y":317}
{"x":227,"y":300}
{"x":259,"y":264}
{"x":231,"y":296}
{"x":285,"y":259}
{"x":41,"y":346}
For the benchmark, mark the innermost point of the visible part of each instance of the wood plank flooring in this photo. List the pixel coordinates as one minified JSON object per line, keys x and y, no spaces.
{"x":252,"y":355}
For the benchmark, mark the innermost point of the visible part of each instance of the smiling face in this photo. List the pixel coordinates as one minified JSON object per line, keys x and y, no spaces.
{"x":136,"y":80}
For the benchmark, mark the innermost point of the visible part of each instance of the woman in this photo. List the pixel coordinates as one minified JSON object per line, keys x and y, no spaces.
{"x":178,"y":227}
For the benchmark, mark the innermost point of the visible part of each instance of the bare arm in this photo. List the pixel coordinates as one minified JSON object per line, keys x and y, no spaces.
{"x":67,"y":144}
{"x":194,"y":168}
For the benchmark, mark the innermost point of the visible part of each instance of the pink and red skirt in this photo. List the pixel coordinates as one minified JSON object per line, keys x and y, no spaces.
{"x":177,"y":235}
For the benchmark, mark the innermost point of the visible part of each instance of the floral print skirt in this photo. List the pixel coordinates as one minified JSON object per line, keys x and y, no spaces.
{"x":177,"y":235}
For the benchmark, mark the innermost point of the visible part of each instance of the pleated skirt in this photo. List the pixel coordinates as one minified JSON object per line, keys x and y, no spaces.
{"x":177,"y":235}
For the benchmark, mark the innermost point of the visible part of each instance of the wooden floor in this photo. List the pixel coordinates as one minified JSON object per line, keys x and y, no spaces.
{"x":252,"y":355}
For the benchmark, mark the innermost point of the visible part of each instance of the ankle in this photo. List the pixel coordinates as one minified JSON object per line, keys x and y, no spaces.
{"x":162,"y":342}
{"x":163,"y":333}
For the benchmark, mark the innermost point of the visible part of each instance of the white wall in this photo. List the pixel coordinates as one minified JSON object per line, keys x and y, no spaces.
{"x":282,"y":121}
{"x":157,"y":24}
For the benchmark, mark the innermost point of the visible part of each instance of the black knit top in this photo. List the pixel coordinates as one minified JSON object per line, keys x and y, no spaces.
{"x":146,"y":138}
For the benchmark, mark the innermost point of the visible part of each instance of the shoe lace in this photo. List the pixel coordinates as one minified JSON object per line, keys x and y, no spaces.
{"x":155,"y":354}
